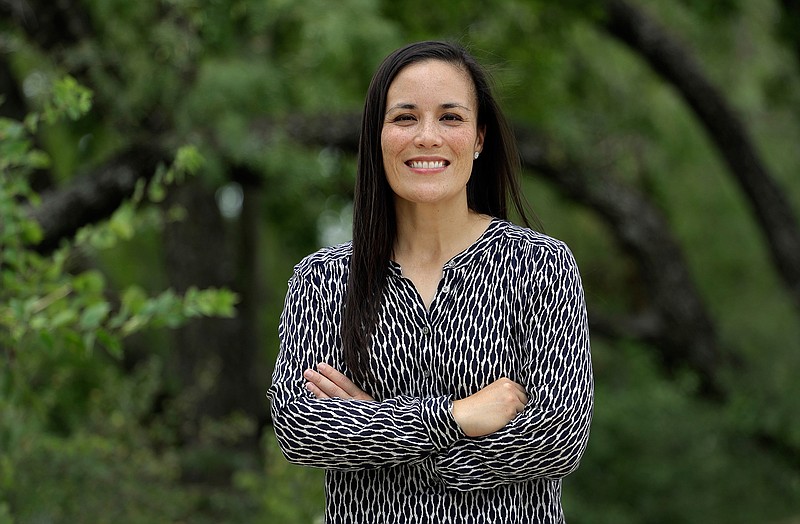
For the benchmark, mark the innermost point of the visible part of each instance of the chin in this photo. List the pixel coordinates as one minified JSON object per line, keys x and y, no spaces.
{"x":425,"y":198}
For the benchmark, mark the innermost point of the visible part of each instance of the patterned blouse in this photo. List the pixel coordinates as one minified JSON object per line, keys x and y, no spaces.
{"x":511,"y":305}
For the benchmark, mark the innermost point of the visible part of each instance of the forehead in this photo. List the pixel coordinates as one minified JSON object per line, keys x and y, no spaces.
{"x":434,"y":80}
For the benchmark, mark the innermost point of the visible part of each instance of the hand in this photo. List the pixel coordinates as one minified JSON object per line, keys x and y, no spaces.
{"x":326,"y":382}
{"x":491,"y":408}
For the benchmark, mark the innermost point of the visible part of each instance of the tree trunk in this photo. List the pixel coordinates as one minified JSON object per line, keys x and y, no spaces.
{"x":247,"y":365}
{"x":198,"y":253}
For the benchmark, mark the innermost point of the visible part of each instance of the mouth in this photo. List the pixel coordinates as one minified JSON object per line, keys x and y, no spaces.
{"x":427,"y":164}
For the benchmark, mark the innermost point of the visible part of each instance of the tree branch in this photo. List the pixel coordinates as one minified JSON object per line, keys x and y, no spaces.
{"x":670,"y":59}
{"x":93,"y":196}
{"x":678,"y":322}
{"x":647,"y":326}
{"x":13,"y":104}
{"x":790,"y":25}
{"x":48,"y":23}
{"x":334,"y":130}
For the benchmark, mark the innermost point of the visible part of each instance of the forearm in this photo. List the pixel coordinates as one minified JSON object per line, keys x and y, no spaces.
{"x":534,"y":445}
{"x":333,"y":432}
{"x":355,"y":434}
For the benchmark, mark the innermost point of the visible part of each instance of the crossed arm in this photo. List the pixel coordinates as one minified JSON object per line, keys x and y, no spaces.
{"x":512,"y":437}
{"x":479,"y":414}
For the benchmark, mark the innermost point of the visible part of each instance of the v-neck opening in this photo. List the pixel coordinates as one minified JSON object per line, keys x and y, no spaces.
{"x":475,"y":249}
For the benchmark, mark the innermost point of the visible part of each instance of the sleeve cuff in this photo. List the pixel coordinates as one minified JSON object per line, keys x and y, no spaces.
{"x":437,"y":416}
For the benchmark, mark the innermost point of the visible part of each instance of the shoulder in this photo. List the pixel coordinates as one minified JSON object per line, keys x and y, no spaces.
{"x":528,"y":243}
{"x":328,"y":263}
{"x":544,"y":262}
{"x":540,"y":259}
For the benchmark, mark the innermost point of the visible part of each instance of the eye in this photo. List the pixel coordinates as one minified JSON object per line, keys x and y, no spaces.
{"x":404,"y":118}
{"x":451,"y":117}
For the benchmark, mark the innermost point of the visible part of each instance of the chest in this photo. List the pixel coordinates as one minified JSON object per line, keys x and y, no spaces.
{"x":470,"y":334}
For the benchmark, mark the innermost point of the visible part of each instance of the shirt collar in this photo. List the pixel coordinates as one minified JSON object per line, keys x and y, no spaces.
{"x":470,"y":255}
{"x":476,"y":250}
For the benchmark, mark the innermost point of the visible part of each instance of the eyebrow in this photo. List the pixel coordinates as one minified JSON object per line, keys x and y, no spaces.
{"x":447,"y":105}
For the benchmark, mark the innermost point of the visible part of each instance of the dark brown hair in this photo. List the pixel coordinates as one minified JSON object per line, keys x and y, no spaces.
{"x":494,"y":179}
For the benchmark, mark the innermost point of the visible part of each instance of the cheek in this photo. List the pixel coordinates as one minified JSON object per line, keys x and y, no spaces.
{"x":391,"y":140}
{"x":470,"y":139}
{"x":460,"y":138}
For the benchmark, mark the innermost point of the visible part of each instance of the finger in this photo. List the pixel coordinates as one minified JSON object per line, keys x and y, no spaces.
{"x":339,"y":379}
{"x":318,"y":393}
{"x":523,"y":395}
{"x":519,"y":398}
{"x":324,"y":384}
{"x":519,"y":390}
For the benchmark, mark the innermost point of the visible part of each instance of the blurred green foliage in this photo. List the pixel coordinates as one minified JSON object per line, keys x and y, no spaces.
{"x":86,"y":436}
{"x":69,"y":421}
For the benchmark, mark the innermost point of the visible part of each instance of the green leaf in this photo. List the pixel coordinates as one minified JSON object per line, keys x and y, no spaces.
{"x":122,"y":222}
{"x":62,"y":318}
{"x":31,"y":232}
{"x":110,"y":342}
{"x":133,"y":324}
{"x":90,"y":282}
{"x":69,"y":99}
{"x":188,"y":160}
{"x":138,"y":192}
{"x":54,"y":269}
{"x":134,"y":299}
{"x":88,"y":340}
{"x":37,"y":159}
{"x":156,"y":192}
{"x":210,"y":302}
{"x":38,"y":322}
{"x":103,"y":238}
{"x":32,"y":122}
{"x":93,"y":315}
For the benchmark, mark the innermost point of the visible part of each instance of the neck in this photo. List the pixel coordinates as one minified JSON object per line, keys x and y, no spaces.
{"x":433,"y":234}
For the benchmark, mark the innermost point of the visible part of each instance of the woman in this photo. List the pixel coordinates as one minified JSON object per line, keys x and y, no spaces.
{"x":438,"y":366}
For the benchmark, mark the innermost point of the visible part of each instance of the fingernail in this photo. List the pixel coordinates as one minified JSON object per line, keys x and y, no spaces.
{"x":309,"y":374}
{"x":322,"y":365}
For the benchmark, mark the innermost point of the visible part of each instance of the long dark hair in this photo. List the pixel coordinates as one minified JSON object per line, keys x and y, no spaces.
{"x":494,"y":179}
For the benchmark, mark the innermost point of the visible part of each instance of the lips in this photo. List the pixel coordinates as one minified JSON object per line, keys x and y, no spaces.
{"x":427,"y":164}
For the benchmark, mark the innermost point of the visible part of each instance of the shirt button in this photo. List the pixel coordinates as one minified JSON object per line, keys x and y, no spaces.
{"x":425,"y":330}
{"x":446,"y":289}
{"x":427,"y":373}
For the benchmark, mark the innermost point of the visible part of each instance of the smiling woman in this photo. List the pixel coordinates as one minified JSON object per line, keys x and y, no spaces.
{"x":438,"y":365}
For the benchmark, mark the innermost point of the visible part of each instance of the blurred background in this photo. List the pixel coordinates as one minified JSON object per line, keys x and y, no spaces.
{"x":165,"y":163}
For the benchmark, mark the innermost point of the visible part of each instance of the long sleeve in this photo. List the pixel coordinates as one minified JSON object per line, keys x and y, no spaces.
{"x":335,"y":433}
{"x":549,"y":437}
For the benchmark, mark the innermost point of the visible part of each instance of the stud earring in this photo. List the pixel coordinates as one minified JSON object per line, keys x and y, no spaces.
{"x":477,"y":154}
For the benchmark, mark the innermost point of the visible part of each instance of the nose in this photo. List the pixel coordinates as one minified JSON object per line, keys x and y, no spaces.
{"x":428,"y":134}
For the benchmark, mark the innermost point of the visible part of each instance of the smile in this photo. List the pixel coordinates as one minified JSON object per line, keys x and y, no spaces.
{"x":436,"y":164}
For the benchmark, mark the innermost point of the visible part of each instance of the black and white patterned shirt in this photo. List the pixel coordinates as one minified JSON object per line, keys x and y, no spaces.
{"x":511,"y":305}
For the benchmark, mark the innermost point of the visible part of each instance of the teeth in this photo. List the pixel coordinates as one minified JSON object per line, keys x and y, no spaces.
{"x":427,"y":165}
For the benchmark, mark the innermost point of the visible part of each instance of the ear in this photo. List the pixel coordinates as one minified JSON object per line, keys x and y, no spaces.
{"x":479,"y":139}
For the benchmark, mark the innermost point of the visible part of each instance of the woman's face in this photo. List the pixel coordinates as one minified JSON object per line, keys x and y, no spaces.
{"x":430,"y":134}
